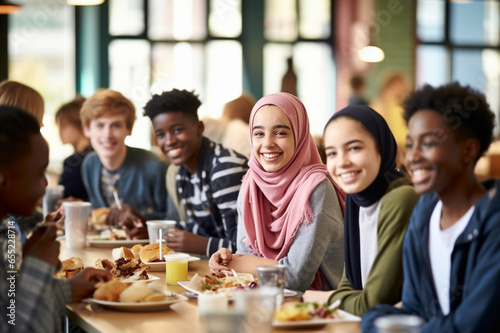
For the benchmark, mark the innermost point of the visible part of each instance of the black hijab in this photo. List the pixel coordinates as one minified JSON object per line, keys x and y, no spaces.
{"x":377,"y":126}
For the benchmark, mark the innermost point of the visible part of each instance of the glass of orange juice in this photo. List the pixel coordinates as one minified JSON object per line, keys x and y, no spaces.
{"x":176,"y":268}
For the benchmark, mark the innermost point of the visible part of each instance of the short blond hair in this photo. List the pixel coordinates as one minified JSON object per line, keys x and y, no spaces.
{"x":106,"y":101}
{"x":21,"y":96}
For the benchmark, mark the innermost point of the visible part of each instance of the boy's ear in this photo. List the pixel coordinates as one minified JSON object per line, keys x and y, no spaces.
{"x":4,"y":182}
{"x":200,"y":127}
{"x":86,"y":131}
{"x":470,"y":150}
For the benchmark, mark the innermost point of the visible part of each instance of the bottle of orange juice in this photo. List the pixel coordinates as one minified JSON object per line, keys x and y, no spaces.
{"x":176,"y":268}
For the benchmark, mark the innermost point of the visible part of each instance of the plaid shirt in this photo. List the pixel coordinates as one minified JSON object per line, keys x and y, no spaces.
{"x":39,"y":298}
{"x":209,"y":196}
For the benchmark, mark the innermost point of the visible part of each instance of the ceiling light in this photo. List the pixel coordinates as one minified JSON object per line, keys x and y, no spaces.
{"x":8,"y":8}
{"x":371,"y":53}
{"x":84,"y":2}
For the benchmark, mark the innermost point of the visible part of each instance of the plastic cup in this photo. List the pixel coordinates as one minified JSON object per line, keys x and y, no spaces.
{"x":76,"y":220}
{"x":176,"y":266}
{"x":155,"y":225}
{"x":273,"y":276}
{"x":50,"y":198}
{"x":398,"y":324}
{"x":258,"y":306}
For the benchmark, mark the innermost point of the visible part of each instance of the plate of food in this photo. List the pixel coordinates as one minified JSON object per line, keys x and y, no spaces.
{"x":148,"y":254}
{"x":126,"y":269}
{"x":122,"y":296}
{"x":111,"y":238}
{"x":209,"y":284}
{"x":300,"y":314}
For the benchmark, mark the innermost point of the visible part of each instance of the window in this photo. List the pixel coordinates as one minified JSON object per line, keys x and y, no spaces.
{"x":460,"y":41}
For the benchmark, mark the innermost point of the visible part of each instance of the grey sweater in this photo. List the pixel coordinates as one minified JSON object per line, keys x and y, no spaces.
{"x":319,"y":244}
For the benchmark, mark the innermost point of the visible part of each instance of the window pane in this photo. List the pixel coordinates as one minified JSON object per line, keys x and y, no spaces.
{"x":475,"y":23}
{"x":178,"y":65}
{"x":315,"y":19}
{"x":177,"y":19}
{"x":430,"y":20}
{"x":130,"y":76}
{"x":315,"y":69}
{"x":280,"y":20}
{"x":432,"y":65}
{"x":42,"y":56}
{"x":126,"y":17}
{"x":224,"y":76}
{"x":225,"y":18}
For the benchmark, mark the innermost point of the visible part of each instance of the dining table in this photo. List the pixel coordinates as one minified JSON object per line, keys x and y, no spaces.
{"x":179,"y":317}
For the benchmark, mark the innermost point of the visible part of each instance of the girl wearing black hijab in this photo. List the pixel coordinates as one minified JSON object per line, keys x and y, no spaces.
{"x":361,"y":158}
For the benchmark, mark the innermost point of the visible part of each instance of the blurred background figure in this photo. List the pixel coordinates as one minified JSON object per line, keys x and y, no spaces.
{"x":231,"y":129}
{"x":289,"y":81}
{"x":21,"y":96}
{"x":357,"y":85}
{"x":71,"y":132}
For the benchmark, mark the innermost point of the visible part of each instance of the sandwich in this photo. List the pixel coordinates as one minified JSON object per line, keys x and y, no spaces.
{"x":70,"y":267}
{"x":151,"y":252}
{"x":98,"y":218}
{"x":122,"y":252}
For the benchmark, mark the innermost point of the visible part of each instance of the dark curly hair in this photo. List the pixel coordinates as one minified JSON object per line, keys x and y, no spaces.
{"x":464,"y":109}
{"x":16,"y":129}
{"x":173,"y":101}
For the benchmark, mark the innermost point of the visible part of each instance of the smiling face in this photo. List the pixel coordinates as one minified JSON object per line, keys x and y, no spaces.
{"x":107,"y":135}
{"x":179,"y":137}
{"x":26,"y":179}
{"x":352,"y":156}
{"x":433,"y":155}
{"x":273,"y":142}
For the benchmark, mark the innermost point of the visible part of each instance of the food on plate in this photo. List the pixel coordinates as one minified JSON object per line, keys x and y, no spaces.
{"x":294,"y":311}
{"x":124,"y":268}
{"x":111,"y":235}
{"x":98,"y":218}
{"x":117,"y":291}
{"x":210,"y":283}
{"x":110,"y":291}
{"x":136,"y":249}
{"x":122,"y":252}
{"x":70,"y":267}
{"x":151,"y":252}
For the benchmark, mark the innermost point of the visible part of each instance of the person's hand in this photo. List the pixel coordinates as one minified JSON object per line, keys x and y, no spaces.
{"x":84,"y":283}
{"x":185,"y":241}
{"x":43,"y":245}
{"x":218,"y":262}
{"x":55,"y":218}
{"x":129,"y":220}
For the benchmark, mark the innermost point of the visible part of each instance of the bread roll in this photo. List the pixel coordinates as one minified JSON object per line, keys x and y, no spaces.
{"x":122,"y":252}
{"x":137,"y":292}
{"x":151,"y":252}
{"x":110,"y":291}
{"x":136,"y":249}
{"x":70,"y":267}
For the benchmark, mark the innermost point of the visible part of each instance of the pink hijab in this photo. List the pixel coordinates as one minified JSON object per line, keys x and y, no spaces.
{"x":275,"y":204}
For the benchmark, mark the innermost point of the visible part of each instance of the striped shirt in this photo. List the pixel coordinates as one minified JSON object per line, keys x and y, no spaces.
{"x":209,"y":196}
{"x":39,"y":299}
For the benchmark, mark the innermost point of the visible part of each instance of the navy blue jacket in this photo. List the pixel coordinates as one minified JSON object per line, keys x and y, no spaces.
{"x":475,"y":271}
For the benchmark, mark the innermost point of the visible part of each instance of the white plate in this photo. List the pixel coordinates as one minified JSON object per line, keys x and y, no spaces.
{"x":160,"y":266}
{"x":184,"y":284}
{"x":150,"y":278}
{"x":145,"y":306}
{"x":347,"y":317}
{"x":116,"y":243}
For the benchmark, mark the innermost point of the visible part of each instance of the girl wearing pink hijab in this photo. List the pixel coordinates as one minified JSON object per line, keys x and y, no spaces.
{"x":290,"y":210}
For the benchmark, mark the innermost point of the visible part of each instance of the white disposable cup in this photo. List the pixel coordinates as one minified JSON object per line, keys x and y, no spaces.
{"x":155,"y":225}
{"x":50,"y":198}
{"x":258,"y":305}
{"x":76,"y":221}
{"x":212,"y":303}
{"x":399,"y":323}
{"x":273,"y":276}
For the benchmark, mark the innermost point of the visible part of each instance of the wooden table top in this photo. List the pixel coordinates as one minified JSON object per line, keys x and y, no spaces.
{"x":180,"y":317}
